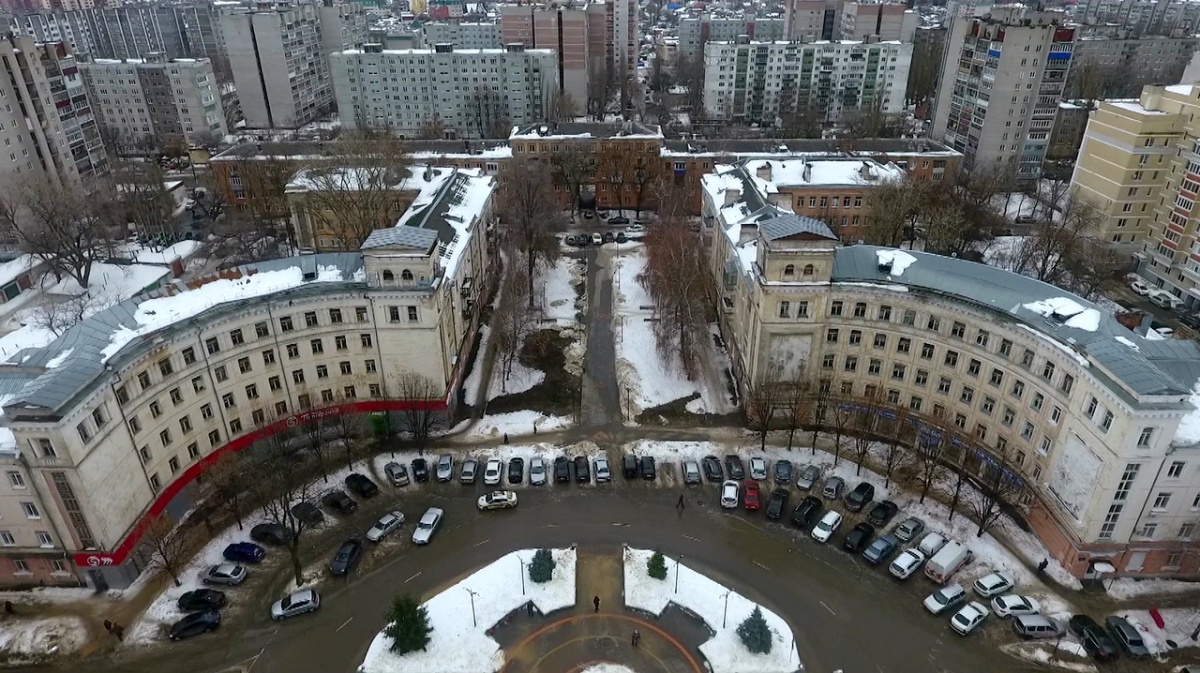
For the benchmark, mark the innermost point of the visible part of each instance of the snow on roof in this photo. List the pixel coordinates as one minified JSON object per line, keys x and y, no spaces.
{"x":350,"y":179}
{"x":60,"y":358}
{"x":180,"y":250}
{"x":1134,"y":106}
{"x":1188,"y":431}
{"x":897,"y":260}
{"x":11,"y":270}
{"x":500,"y":152}
{"x":1068,"y":312}
{"x":1184,"y":89}
{"x":802,"y":171}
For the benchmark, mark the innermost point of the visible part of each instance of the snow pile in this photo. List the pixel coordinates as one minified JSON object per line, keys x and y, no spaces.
{"x":59,"y":359}
{"x":707,"y":599}
{"x":897,"y":260}
{"x":607,"y":668}
{"x":1125,"y":588}
{"x":471,"y":385}
{"x":518,"y":423}
{"x":1046,"y":653}
{"x":1178,"y":625}
{"x":1128,"y":342}
{"x":559,"y":295}
{"x":26,"y":641}
{"x":1188,"y":431}
{"x":459,"y":646}
{"x":1067,"y":311}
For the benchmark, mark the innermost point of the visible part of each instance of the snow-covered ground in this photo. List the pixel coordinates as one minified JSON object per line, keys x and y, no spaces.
{"x":1045,"y":653}
{"x":1127,"y":587}
{"x":457,"y":645}
{"x":558,"y":290}
{"x":520,"y":378}
{"x":707,"y":599}
{"x":518,"y":423}
{"x":471,"y":385}
{"x":25,"y":641}
{"x":1178,"y":625}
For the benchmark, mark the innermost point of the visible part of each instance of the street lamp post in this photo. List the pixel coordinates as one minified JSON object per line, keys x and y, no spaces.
{"x":677,"y":560}
{"x":473,"y":622}
{"x":521,"y":563}
{"x":725,"y":614}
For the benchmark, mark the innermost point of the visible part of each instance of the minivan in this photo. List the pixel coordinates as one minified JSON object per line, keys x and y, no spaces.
{"x":947,"y":561}
{"x":1035,"y":626}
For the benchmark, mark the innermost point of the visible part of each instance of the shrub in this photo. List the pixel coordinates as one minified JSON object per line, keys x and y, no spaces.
{"x":408,"y":625}
{"x":657,"y":566}
{"x":541,"y":570}
{"x":755,"y":633}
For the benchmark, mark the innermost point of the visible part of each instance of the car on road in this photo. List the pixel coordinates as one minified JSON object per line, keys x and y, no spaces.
{"x":516,"y":470}
{"x":649,"y":471}
{"x":712,"y":469}
{"x":225,"y":573}
{"x":537,"y":471}
{"x":600,"y":465}
{"x":826,"y":527}
{"x":388,"y":523}
{"x":296,"y":603}
{"x":1096,"y":642}
{"x":758,"y":468}
{"x":492,"y":471}
{"x":346,"y":557}
{"x":583,"y":473}
{"x":427,"y":526}
{"x":947,"y":597}
{"x":1011,"y":605}
{"x":783,"y":472}
{"x":497,"y":500}
{"x":806,"y":511}
{"x":777,"y":503}
{"x":882,"y":513}
{"x":750,"y":497}
{"x":729,"y":494}
{"x":445,"y":467}
{"x":195,"y":624}
{"x":244,"y":552}
{"x":734,"y":467}
{"x":361,"y":485}
{"x":201,"y":599}
{"x":691,"y":472}
{"x":396,"y":473}
{"x":969,"y":617}
{"x":833,"y":488}
{"x":907,"y":563}
{"x":341,"y":503}
{"x":635,"y":228}
{"x":881,"y":549}
{"x":993,"y":584}
{"x":272,"y":533}
{"x":562,"y":469}
{"x":858,"y":538}
{"x":420,"y":470}
{"x":1127,"y":637}
{"x":860,"y":497}
{"x":909,"y":529}
{"x":809,"y":476}
{"x":630,"y":466}
{"x":1139,"y":288}
{"x":469,"y":471}
{"x":618,"y":220}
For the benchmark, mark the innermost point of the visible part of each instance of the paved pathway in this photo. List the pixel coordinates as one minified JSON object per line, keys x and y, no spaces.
{"x":600,"y":401}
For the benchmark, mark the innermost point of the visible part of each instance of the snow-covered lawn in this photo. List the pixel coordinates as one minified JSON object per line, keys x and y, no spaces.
{"x":558,"y":290}
{"x":707,"y":599}
{"x":1178,"y":625}
{"x":1127,"y":587}
{"x":457,"y":644}
{"x":518,"y":423}
{"x":520,"y":378}
{"x":29,"y":640}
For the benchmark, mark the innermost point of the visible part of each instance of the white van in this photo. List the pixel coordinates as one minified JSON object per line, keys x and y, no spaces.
{"x":947,"y":561}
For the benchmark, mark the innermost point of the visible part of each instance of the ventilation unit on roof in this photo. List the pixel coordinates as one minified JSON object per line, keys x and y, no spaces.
{"x":885,"y":264}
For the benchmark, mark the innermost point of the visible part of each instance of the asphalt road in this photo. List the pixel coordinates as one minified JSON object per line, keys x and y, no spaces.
{"x":844,"y":614}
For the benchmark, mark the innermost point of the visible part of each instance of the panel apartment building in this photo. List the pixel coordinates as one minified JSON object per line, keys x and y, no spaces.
{"x":462,"y":35}
{"x":812,"y":20}
{"x":1002,"y":79}
{"x":696,"y":31}
{"x":760,"y":82}
{"x":573,"y":34}
{"x":1131,"y":63}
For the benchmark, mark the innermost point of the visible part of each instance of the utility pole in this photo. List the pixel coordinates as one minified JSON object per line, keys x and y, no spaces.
{"x":677,"y":560}
{"x":725,"y":614}
{"x":473,"y":622}
{"x":521,"y":565}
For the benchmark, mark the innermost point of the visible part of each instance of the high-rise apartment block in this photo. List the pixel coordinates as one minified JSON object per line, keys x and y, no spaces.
{"x":413,"y":90}
{"x":463,"y":35}
{"x":761,"y":82}
{"x":154,"y":100}
{"x":1002,"y":79}
{"x":570,"y":32}
{"x":1135,"y":18}
{"x":1128,"y":64}
{"x":812,"y":20}
{"x":696,"y":31}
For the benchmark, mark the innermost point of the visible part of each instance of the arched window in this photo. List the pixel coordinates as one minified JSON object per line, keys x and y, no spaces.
{"x":388,"y":276}
{"x":789,"y":271}
{"x":406,"y":275}
{"x":808,"y":269}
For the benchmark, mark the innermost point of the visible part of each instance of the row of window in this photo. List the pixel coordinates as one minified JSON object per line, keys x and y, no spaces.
{"x":21,"y":566}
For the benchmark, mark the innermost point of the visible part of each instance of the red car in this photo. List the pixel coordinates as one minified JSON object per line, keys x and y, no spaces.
{"x":750,"y":497}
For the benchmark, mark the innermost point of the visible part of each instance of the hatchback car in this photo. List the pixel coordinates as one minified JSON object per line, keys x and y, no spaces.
{"x":993,"y":584}
{"x":361,"y":485}
{"x":427,"y":526}
{"x":492,"y":471}
{"x":537,"y":471}
{"x":582,"y":471}
{"x":809,"y":476}
{"x":562,"y":469}
{"x":497,"y":500}
{"x":907,"y":563}
{"x":882,"y":513}
{"x":1127,"y":637}
{"x":806,"y":512}
{"x":297,"y":603}
{"x":272,"y":533}
{"x":734,"y":467}
{"x":729,"y":494}
{"x":969,"y":617}
{"x":758,"y":468}
{"x":881,"y":549}
{"x":909,"y":529}
{"x":244,"y":552}
{"x":388,"y":523}
{"x":858,"y":538}
{"x":833,"y":487}
{"x":691,"y":472}
{"x":341,"y":503}
{"x":195,"y":624}
{"x":783,"y":472}
{"x":469,"y":471}
{"x":308,"y":514}
{"x":826,"y":527}
{"x":860,"y":497}
{"x":445,"y":467}
{"x":516,"y":470}
{"x":750,"y":497}
{"x":712,"y":469}
{"x":1096,"y":642}
{"x":346,"y":557}
{"x":603,"y":475}
{"x":201,"y":599}
{"x":225,"y":573}
{"x":649,"y":471}
{"x":420,"y":470}
{"x":948,"y":597}
{"x":396,"y":473}
{"x":1013,"y":605}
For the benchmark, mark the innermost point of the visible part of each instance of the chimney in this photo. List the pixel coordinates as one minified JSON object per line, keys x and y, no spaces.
{"x":732,"y":195}
{"x":764,"y":171}
{"x":807,"y":171}
{"x":865,"y":171}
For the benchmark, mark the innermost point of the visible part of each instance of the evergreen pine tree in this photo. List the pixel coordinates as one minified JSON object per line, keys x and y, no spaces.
{"x":408,"y":625}
{"x":541,"y":570}
{"x":657,"y":566}
{"x":755,"y":633}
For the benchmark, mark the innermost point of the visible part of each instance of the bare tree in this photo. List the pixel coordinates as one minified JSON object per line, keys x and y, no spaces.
{"x":572,"y":167}
{"x":166,"y":545}
{"x":893,"y":451}
{"x":487,"y":111}
{"x":432,"y":128}
{"x":58,"y":317}
{"x":797,"y":397}
{"x":804,"y":121}
{"x":227,"y":481}
{"x":512,"y":320}
{"x":998,"y":486}
{"x":349,"y":431}
{"x":317,"y":444}
{"x":922,"y":76}
{"x":843,"y":418}
{"x":960,"y":478}
{"x":279,"y":484}
{"x":562,"y":106}
{"x":928,"y":454}
{"x":819,"y":407}
{"x":893,"y":208}
{"x":866,"y":421}
{"x":763,"y":400}
{"x":146,"y":203}
{"x":676,"y":277}
{"x":420,"y":393}
{"x":531,"y":216}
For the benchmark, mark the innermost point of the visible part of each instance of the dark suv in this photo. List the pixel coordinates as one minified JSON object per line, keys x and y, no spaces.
{"x":307,"y":513}
{"x":516,"y":470}
{"x":1095,"y":641}
{"x":420,"y":470}
{"x":340,"y":502}
{"x":648,"y":469}
{"x":733,"y":465}
{"x":346,"y":557}
{"x":583,"y":473}
{"x":629,"y":466}
{"x":858,"y":538}
{"x":361,"y":485}
{"x":777,"y":503}
{"x":562,"y":470}
{"x":806,"y":512}
{"x":882,"y":513}
{"x":860,"y":497}
{"x":712,"y":470}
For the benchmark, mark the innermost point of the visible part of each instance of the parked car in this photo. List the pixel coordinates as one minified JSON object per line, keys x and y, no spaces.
{"x":909,"y":529}
{"x":882,"y":513}
{"x":946,"y":598}
{"x":600,"y":465}
{"x":858,"y":538}
{"x":809,"y":476}
{"x":881,"y":549}
{"x":1096,"y":642}
{"x":630,"y":467}
{"x":562,"y":469}
{"x":271,"y":533}
{"x":497,"y":500}
{"x":806,"y":511}
{"x":969,"y":617}
{"x":1127,"y":637}
{"x":492,"y":471}
{"x":537,"y":471}
{"x":777,"y":503}
{"x":420,"y":470}
{"x":833,"y":487}
{"x":608,"y":237}
{"x":734,"y":467}
{"x":691,"y":472}
{"x":758,"y":468}
{"x":906,"y":563}
{"x":346,"y":557}
{"x":201,"y":599}
{"x":597,"y":239}
{"x":1014,"y":604}
{"x":1139,"y":288}
{"x":1036,"y":625}
{"x":338,"y":501}
{"x":993,"y":584}
{"x":396,"y":473}
{"x":516,"y":470}
{"x":361,"y":485}
{"x":952,"y":556}
{"x":783,"y":472}
{"x":618,"y":220}
{"x":582,"y":471}
{"x":826,"y":527}
{"x":635,"y":228}
{"x":296,"y":603}
{"x":427,"y":526}
{"x":649,"y":471}
{"x":1191,"y":320}
{"x":729,"y":494}
{"x":712,"y":469}
{"x":621,"y":237}
{"x":569,"y":239}
{"x":860,"y":497}
{"x":750,"y":497}
{"x":244,"y":552}
{"x":195,"y":624}
{"x":445,"y":467}
{"x":469,"y":471}
{"x":931,"y":544}
{"x":388,"y":523}
{"x":231,"y":574}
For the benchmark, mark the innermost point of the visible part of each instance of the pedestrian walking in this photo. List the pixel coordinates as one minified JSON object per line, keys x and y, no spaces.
{"x":596,"y":603}
{"x":506,"y":438}
{"x":679,"y":504}
{"x":535,"y":428}
{"x":637,"y":637}
{"x":1042,"y":566}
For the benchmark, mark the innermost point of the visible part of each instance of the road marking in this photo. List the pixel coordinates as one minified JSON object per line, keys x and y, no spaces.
{"x":482,"y":542}
{"x":762,"y":566}
{"x":689,"y":537}
{"x":418,"y":575}
{"x":347,"y":622}
{"x":828,"y":608}
{"x":619,"y":524}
